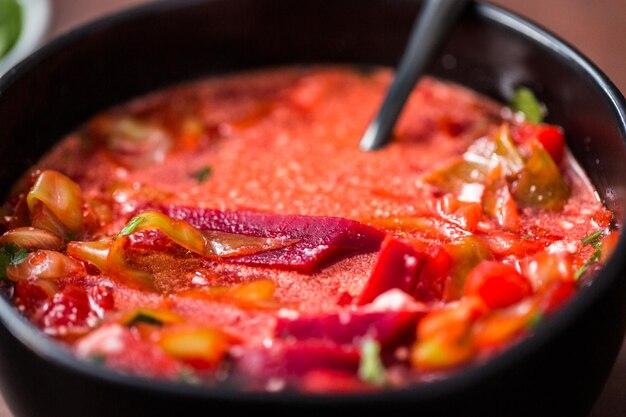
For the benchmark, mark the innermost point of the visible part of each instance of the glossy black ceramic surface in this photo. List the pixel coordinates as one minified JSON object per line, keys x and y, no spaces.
{"x":559,"y":371}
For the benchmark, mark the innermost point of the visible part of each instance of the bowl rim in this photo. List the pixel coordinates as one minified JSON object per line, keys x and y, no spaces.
{"x":51,"y":351}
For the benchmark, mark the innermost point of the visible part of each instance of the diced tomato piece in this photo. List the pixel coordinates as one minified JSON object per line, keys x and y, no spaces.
{"x":444,"y":336}
{"x":432,"y":278}
{"x":436,"y":354}
{"x":464,"y":214}
{"x":332,"y":381}
{"x":505,"y":244}
{"x":122,"y":349}
{"x":70,"y":312}
{"x":550,"y":136}
{"x":345,"y":298}
{"x":498,"y":329}
{"x":545,"y":267}
{"x":102,"y":296}
{"x":31,"y":297}
{"x":497,"y":284}
{"x":555,"y":295}
{"x":398,"y":266}
{"x":453,"y":322}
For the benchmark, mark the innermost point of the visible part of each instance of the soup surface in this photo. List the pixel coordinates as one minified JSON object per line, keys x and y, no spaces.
{"x":230,"y":231}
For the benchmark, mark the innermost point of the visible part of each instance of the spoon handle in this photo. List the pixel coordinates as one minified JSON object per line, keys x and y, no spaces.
{"x":430,"y":29}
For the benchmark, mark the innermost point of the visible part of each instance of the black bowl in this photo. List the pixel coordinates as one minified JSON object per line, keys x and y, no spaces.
{"x":558,"y":371}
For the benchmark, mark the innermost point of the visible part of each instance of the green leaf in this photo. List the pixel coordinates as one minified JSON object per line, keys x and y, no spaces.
{"x":11,"y":254}
{"x":371,"y":368}
{"x":202,"y":174}
{"x":130,"y":226}
{"x":10,"y":24}
{"x":524,"y":101}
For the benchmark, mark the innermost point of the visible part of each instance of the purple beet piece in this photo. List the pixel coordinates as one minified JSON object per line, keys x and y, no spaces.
{"x":293,"y":359}
{"x":322,"y":239}
{"x":348,"y":327}
{"x":398,"y":266}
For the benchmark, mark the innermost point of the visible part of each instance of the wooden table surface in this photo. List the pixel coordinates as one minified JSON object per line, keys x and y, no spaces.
{"x":597,"y":28}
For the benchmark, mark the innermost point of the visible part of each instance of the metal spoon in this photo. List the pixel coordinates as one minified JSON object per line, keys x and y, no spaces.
{"x":433,"y":24}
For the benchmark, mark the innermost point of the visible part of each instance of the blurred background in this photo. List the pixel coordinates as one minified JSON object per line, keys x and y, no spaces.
{"x":596,"y":27}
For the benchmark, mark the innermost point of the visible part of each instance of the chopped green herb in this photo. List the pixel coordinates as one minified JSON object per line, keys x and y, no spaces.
{"x":592,"y":238}
{"x":144,"y":318}
{"x":595,"y":240}
{"x":10,"y":24}
{"x":11,"y":254}
{"x":581,"y":271}
{"x":525,"y":101}
{"x":202,"y":174}
{"x":130,"y":226}
{"x":526,"y":237}
{"x":371,"y":368}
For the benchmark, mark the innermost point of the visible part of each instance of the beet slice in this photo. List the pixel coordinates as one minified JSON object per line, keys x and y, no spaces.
{"x":292,"y":359}
{"x":347,"y":327}
{"x":322,"y":239}
{"x":398,"y":266}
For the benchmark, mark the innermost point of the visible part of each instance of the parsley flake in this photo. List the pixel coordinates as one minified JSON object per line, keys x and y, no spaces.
{"x":203,"y":174}
{"x":11,"y":254}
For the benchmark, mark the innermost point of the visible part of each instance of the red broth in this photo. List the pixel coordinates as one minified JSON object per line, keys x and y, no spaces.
{"x":231,"y":231}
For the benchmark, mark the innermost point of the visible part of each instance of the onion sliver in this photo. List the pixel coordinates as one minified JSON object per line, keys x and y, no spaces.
{"x":32,"y":238}
{"x":45,"y":264}
{"x":61,"y":196}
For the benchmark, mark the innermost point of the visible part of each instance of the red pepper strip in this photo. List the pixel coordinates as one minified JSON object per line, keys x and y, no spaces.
{"x":550,"y":136}
{"x":322,"y":240}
